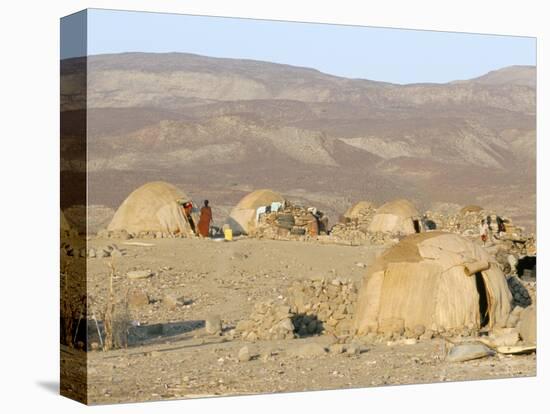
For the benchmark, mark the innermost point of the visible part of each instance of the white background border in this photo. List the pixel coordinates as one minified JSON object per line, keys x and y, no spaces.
{"x":29,"y":162}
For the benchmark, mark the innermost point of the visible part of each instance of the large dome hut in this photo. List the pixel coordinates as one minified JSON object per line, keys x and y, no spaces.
{"x":437,"y":280}
{"x":153,"y":207}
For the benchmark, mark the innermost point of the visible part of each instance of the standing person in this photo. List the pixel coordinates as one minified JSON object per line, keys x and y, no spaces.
{"x":484,"y":231}
{"x":205,"y":220}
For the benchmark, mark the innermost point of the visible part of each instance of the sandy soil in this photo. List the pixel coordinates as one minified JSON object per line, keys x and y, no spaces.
{"x":174,"y":357}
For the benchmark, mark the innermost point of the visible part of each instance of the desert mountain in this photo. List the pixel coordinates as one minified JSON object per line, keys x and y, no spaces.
{"x":220,"y":127}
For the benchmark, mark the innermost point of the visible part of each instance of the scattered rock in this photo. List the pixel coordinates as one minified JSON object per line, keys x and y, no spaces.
{"x":252,"y":337}
{"x":467,"y":352}
{"x":309,"y":350}
{"x":244,"y":354}
{"x":104,"y":253}
{"x":170,"y":302}
{"x":428,"y":334}
{"x":213,"y":324}
{"x":528,"y":325}
{"x":337,"y":349}
{"x":502,"y":337}
{"x":419,"y":330}
{"x":392,"y":326}
{"x":139,"y":274}
{"x":116,"y":253}
{"x":353,"y":349}
{"x":137,"y":298}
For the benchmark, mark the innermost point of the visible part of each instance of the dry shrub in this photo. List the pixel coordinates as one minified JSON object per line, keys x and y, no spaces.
{"x":116,"y":319}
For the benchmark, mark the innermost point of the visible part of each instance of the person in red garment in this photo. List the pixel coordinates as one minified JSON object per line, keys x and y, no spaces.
{"x":205,"y":220}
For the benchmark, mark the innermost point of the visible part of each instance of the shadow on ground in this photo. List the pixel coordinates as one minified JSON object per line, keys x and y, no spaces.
{"x":50,"y":386}
{"x":126,"y":335}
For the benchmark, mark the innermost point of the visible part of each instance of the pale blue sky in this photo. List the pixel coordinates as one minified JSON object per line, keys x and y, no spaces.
{"x":391,"y":55}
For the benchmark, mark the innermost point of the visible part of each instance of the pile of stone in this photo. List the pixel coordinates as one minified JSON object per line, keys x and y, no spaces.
{"x":268,"y":322}
{"x":293,"y":222}
{"x":357,"y":235}
{"x":125,"y":235}
{"x":311,"y":307}
{"x":323,"y":306}
{"x":111,"y":250}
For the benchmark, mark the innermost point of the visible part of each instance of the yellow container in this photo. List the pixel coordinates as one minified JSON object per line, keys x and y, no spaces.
{"x":228,"y":234}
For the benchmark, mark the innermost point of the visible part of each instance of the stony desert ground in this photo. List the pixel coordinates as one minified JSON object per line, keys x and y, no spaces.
{"x":190,"y":281}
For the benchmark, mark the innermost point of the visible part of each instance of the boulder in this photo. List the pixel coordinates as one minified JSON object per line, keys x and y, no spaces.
{"x":244,"y":354}
{"x":213,"y":324}
{"x":337,"y":348}
{"x":139,"y":274}
{"x":309,"y":350}
{"x":467,"y":352}
{"x":392,"y":326}
{"x":528,"y":325}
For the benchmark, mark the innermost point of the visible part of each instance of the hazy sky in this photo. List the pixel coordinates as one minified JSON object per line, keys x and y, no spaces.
{"x":392,"y":55}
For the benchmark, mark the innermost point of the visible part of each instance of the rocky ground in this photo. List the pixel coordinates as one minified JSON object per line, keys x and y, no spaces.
{"x":182,"y":299}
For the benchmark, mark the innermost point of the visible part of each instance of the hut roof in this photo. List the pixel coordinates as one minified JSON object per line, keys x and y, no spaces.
{"x":402,"y":207}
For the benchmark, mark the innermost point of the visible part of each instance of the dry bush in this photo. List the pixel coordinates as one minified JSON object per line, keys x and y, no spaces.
{"x":108,"y":342}
{"x":116,"y":319}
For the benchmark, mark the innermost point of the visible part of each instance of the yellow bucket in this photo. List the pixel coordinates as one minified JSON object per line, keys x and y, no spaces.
{"x":228,"y":234}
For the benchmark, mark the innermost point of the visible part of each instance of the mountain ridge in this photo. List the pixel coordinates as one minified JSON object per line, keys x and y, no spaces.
{"x":210,"y":123}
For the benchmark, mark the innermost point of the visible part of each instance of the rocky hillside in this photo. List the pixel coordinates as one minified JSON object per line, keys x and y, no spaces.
{"x":219,"y":127}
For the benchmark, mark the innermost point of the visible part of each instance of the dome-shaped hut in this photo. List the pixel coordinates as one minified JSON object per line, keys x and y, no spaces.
{"x":399,"y":216}
{"x":243,"y":217}
{"x":439,"y":280}
{"x":153,"y":207}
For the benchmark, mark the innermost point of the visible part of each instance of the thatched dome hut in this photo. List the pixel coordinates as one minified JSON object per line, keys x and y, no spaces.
{"x":153,"y":207}
{"x":399,"y":216}
{"x":439,"y":280}
{"x":242,"y":218}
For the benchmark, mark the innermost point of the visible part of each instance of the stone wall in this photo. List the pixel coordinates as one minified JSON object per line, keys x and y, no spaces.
{"x":311,"y":307}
